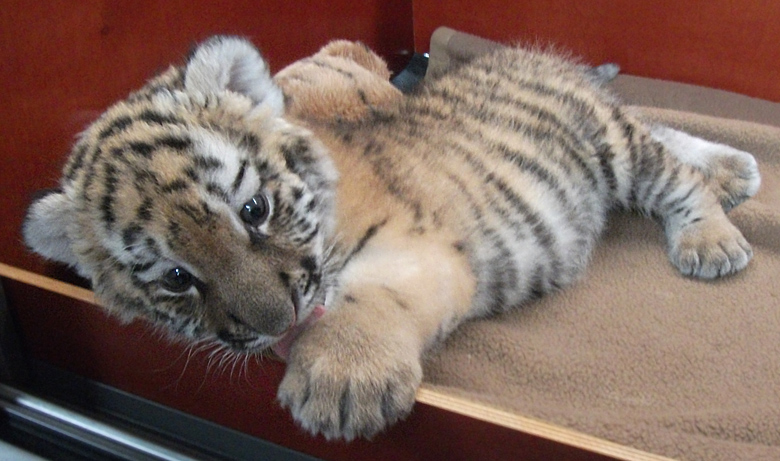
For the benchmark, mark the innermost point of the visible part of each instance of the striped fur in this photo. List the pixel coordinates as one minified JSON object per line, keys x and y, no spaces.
{"x":198,"y":205}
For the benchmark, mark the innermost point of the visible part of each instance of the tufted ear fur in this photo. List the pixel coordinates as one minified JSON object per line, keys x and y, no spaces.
{"x":45,"y":227}
{"x":224,"y":63}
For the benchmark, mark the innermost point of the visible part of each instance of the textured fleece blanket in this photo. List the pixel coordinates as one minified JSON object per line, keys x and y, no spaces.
{"x":636,"y":353}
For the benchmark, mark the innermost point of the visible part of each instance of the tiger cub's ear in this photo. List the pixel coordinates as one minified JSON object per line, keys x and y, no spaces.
{"x":45,"y":227}
{"x":224,"y":63}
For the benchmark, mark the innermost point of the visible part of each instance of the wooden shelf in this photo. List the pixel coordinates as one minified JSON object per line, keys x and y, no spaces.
{"x":543,"y":435}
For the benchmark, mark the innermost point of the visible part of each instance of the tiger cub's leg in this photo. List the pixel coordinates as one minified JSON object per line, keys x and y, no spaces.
{"x":357,"y":369}
{"x":730,"y":173}
{"x":688,"y":187}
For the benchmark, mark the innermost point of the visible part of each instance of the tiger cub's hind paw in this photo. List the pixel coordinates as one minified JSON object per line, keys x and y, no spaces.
{"x":733,"y":176}
{"x":710,"y":248}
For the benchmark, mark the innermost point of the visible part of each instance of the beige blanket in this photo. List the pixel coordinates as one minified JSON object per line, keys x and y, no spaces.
{"x":636,"y":353}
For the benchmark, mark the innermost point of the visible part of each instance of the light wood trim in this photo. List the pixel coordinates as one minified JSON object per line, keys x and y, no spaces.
{"x":47,"y":283}
{"x":425,"y":395}
{"x":516,"y":422}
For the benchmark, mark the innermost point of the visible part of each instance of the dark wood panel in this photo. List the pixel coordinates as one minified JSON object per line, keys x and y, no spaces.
{"x":78,"y":337}
{"x":63,"y":62}
{"x":720,"y":43}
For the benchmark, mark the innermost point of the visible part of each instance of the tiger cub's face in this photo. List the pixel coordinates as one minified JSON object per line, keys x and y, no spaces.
{"x":195,"y":205}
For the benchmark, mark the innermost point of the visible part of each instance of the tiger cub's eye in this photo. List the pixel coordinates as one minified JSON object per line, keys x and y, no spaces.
{"x":177,"y":280}
{"x":256,"y":210}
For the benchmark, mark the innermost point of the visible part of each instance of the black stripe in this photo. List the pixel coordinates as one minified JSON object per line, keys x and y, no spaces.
{"x":144,"y":212}
{"x":239,"y":176}
{"x":350,"y":299}
{"x":201,"y":214}
{"x":137,"y":283}
{"x":323,"y":65}
{"x":503,"y":275}
{"x":261,"y":167}
{"x":345,"y":403}
{"x":647,"y":170}
{"x":534,"y":168}
{"x":173,"y":142}
{"x":520,"y":80}
{"x":362,"y":96}
{"x":170,"y":301}
{"x":140,"y":268}
{"x":396,"y":297}
{"x":141,"y":148}
{"x":151,"y":116}
{"x":311,"y":205}
{"x":372,"y":148}
{"x":628,"y":131}
{"x":540,"y":230}
{"x":76,"y":160}
{"x":295,"y":152}
{"x":431,"y":112}
{"x":606,"y":156}
{"x":521,"y":161}
{"x":670,"y":184}
{"x":250,"y":142}
{"x":217,"y":191}
{"x":174,"y":186}
{"x":502,"y":270}
{"x":693,"y":221}
{"x":121,"y":124}
{"x":394,"y":179}
{"x":677,"y":204}
{"x":207,"y":163}
{"x":116,"y":126}
{"x":537,"y":285}
{"x":309,"y":237}
{"x":361,"y":243}
{"x":131,"y":235}
{"x":151,"y":245}
{"x":174,"y":234}
{"x":309,"y":264}
{"x":191,"y":173}
{"x":143,"y":178}
{"x":583,"y":111}
{"x":147,"y":149}
{"x":570,"y":143}
{"x":107,"y":201}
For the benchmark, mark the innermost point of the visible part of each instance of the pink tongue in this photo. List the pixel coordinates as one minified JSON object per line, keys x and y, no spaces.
{"x":283,"y":346}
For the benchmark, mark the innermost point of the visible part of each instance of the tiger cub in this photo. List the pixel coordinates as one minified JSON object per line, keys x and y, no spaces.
{"x":351,"y":248}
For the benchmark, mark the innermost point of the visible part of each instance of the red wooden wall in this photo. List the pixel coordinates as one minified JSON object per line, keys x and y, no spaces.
{"x":726,"y":44}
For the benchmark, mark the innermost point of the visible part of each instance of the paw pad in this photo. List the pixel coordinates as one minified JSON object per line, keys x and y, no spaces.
{"x":709,"y":250}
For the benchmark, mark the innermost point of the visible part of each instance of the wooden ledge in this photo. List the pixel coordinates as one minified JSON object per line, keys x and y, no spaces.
{"x":426,"y":395}
{"x":530,"y":426}
{"x":47,"y":283}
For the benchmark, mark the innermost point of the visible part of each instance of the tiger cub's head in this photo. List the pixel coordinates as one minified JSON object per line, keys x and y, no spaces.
{"x":196,"y":205}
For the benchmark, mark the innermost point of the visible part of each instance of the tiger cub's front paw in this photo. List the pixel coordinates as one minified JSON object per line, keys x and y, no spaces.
{"x":733,"y":176}
{"x":349,"y":387}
